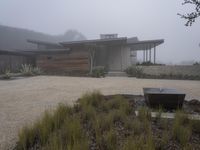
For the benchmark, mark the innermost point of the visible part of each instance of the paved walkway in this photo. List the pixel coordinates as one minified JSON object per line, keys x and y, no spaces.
{"x":22,"y":101}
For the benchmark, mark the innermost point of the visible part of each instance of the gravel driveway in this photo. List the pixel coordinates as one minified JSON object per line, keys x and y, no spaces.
{"x":23,"y":100}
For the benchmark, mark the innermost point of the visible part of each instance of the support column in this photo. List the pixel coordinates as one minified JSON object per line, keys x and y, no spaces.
{"x":143,"y":55}
{"x":154,"y":54}
{"x":146,"y":55}
{"x":150,"y":54}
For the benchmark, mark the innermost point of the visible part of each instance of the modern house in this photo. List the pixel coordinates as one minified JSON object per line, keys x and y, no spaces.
{"x":110,"y":51}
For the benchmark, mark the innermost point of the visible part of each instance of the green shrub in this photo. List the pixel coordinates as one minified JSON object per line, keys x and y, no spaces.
{"x":98,"y":72}
{"x":37,"y":71}
{"x":7,"y":74}
{"x":27,"y":70}
{"x":134,"y":71}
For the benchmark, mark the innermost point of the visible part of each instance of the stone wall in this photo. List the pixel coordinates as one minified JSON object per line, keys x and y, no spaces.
{"x":175,"y":70}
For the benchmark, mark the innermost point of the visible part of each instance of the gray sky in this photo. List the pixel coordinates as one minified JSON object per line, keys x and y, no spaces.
{"x":147,"y":19}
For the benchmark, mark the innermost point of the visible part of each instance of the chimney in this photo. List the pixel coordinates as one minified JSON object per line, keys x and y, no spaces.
{"x":108,"y":36}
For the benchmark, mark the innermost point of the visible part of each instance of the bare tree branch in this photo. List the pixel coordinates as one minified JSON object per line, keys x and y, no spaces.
{"x":191,"y":17}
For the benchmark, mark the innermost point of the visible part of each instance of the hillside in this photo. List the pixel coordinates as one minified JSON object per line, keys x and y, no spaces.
{"x":15,"y":38}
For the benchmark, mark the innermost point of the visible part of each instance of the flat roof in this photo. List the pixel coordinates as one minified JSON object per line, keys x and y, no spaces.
{"x":31,"y":52}
{"x":133,"y":43}
{"x":115,"y":41}
{"x":14,"y":52}
{"x":46,"y":51}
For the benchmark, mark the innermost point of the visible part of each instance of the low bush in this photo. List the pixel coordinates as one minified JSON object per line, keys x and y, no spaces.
{"x":29,"y":70}
{"x":7,"y":74}
{"x":148,"y":63}
{"x":171,"y":76}
{"x":134,"y":71}
{"x":37,"y":71}
{"x":98,"y":72}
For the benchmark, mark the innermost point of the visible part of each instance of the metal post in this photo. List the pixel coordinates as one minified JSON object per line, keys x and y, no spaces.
{"x":150,"y":54}
{"x":146,"y":55}
{"x":143,"y":55}
{"x":154,"y":53}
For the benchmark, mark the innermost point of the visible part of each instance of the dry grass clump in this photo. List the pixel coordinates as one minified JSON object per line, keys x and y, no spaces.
{"x":39,"y":132}
{"x":100,"y":123}
{"x":139,"y":143}
{"x":181,"y":130}
{"x":93,"y":99}
{"x":70,"y":136}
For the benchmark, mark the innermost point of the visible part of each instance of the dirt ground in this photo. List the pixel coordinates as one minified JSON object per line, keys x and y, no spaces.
{"x":23,"y":100}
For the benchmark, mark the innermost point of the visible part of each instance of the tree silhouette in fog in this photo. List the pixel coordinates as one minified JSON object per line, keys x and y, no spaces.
{"x":192,"y":16}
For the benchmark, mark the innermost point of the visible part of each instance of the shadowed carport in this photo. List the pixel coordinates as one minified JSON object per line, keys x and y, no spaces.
{"x":146,"y":46}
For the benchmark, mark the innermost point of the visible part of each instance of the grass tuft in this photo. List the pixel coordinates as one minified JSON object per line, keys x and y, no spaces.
{"x":144,"y":114}
{"x":110,"y":124}
{"x":93,"y":99}
{"x":181,"y":128}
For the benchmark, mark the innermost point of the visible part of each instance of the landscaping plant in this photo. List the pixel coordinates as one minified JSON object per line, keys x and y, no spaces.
{"x":98,"y":122}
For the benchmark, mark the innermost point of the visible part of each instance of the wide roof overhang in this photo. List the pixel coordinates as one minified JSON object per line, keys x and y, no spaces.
{"x":43,"y":42}
{"x":32,"y":52}
{"x":14,"y":52}
{"x":145,"y":45}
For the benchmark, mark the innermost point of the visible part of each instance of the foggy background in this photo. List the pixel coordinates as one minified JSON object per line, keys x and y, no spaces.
{"x":146,"y":19}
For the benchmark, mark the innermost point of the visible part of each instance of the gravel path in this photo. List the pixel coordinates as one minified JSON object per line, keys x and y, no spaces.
{"x":23,"y":100}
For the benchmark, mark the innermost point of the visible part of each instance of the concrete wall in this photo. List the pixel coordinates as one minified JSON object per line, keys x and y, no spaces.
{"x":119,"y":58}
{"x":126,"y":57}
{"x":133,"y":57}
{"x":114,"y":59}
{"x":184,"y":70}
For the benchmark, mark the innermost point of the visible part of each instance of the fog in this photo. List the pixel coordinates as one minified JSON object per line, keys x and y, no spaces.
{"x":146,"y":19}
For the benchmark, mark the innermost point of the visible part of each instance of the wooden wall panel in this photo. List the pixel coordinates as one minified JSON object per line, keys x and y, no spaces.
{"x":73,"y":61}
{"x":13,"y":62}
